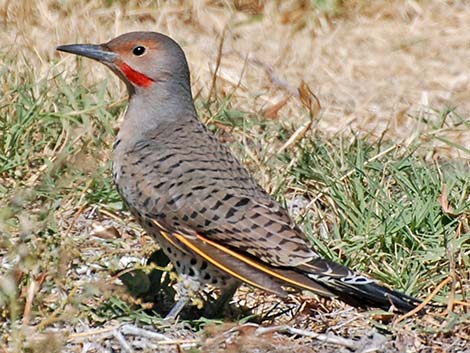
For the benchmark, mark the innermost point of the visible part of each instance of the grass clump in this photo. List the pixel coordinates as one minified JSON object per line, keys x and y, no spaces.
{"x":389,"y":219}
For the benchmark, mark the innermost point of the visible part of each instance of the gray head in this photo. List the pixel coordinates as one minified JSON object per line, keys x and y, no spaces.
{"x":141,"y":59}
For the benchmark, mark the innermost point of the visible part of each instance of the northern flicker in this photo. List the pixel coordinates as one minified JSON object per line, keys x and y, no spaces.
{"x":202,"y":206}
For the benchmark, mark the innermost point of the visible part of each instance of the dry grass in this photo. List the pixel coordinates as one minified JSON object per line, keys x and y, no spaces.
{"x":396,"y":71}
{"x":376,"y":67}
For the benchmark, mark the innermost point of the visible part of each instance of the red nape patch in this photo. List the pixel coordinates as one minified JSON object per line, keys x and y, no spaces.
{"x":135,"y":76}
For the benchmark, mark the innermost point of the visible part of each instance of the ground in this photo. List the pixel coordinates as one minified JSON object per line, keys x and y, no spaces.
{"x":353,"y":114}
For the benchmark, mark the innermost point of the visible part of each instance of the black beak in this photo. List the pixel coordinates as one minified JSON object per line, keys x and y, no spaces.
{"x":92,"y":51}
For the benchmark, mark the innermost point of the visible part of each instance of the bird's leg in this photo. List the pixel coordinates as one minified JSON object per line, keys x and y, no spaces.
{"x":212,"y":309}
{"x":180,"y":304}
{"x":186,"y":288}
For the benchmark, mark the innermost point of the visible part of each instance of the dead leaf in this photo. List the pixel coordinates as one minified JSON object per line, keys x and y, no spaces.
{"x":309,"y":100}
{"x":272,"y":111}
{"x":444,"y":202}
{"x":105,"y":232}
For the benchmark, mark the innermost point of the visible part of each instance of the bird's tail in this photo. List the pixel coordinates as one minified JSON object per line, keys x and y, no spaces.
{"x":323,"y":277}
{"x":355,"y":289}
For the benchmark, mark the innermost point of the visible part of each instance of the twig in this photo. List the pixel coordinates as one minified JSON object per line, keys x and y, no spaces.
{"x":182,"y":343}
{"x":425,"y":301}
{"x":79,"y":211}
{"x":29,"y":301}
{"x":312,"y":104}
{"x":92,"y":346}
{"x":80,"y":335}
{"x":452,"y":273}
{"x":459,"y":302}
{"x":329,"y":338}
{"x":217,"y":66}
{"x":148,"y":267}
{"x":273,"y":77}
{"x":240,"y":78}
{"x":118,"y":335}
{"x":128,"y":329}
{"x":296,"y":136}
{"x":111,"y":215}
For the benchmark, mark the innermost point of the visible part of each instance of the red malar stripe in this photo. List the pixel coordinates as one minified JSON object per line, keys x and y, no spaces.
{"x":135,"y":76}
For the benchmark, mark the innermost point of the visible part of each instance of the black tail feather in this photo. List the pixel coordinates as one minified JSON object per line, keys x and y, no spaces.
{"x":373,"y":295}
{"x":355,"y":289}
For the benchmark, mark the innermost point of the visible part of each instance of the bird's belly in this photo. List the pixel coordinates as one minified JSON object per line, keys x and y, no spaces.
{"x":185,"y":262}
{"x":150,"y":206}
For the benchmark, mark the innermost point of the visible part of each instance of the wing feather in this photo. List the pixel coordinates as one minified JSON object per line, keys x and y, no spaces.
{"x":259,"y":270}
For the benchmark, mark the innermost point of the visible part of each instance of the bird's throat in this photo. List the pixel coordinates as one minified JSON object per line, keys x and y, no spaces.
{"x":134,"y":76}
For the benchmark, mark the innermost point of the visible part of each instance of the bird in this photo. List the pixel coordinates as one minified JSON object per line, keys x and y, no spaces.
{"x":202,"y":206}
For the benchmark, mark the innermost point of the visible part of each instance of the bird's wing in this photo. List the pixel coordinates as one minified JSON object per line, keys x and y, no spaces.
{"x":235,"y":212}
{"x":244,"y":267}
{"x":253,"y":224}
{"x":202,"y":188}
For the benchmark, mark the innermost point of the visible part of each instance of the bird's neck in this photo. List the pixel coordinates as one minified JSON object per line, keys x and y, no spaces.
{"x":156,"y":108}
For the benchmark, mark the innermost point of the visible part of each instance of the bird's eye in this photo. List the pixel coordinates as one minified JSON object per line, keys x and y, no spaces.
{"x":138,"y":51}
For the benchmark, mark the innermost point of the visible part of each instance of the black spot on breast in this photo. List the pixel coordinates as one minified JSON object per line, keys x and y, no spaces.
{"x":227,"y":197}
{"x":269,"y":223}
{"x":146,"y":202}
{"x":175,"y":199}
{"x":164,"y":158}
{"x":230,"y":212}
{"x":243,"y":201}
{"x":285,"y":228}
{"x":173,"y":166}
{"x":200,"y":187}
{"x":216,"y":206}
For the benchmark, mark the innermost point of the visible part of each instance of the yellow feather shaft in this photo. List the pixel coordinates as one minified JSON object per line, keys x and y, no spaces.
{"x":260,"y":267}
{"x":168,"y":237}
{"x":186,"y":241}
{"x":216,"y":263}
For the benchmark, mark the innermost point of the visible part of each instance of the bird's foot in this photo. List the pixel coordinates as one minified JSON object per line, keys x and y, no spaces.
{"x":187,"y":290}
{"x":216,"y":308}
{"x":175,"y":311}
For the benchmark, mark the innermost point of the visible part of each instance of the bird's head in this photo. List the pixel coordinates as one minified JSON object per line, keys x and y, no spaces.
{"x":140,"y":59}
